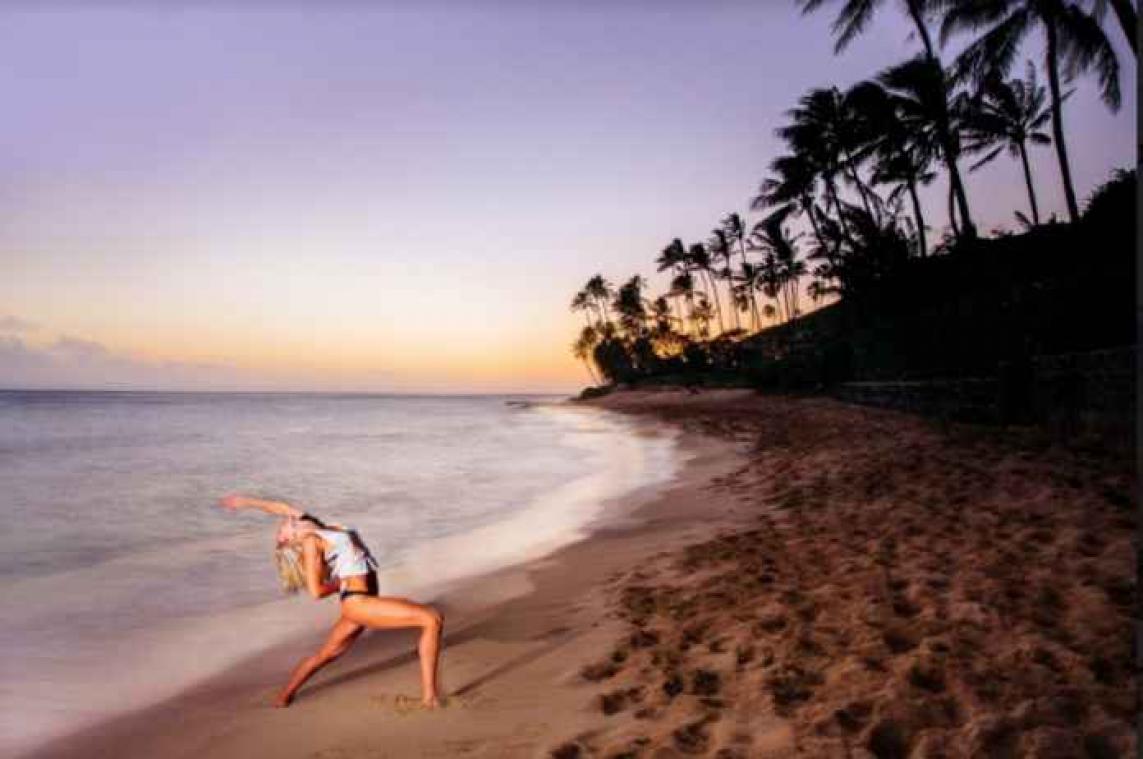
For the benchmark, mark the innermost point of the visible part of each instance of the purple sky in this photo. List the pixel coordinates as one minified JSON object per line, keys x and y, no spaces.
{"x":261,"y":195}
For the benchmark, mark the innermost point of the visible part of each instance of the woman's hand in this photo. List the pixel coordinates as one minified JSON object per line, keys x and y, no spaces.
{"x":231,"y":502}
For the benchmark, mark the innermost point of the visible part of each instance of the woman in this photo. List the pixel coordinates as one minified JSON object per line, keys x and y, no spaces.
{"x":310,"y":551}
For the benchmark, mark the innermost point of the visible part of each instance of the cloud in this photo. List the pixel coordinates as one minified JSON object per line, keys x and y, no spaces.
{"x":74,"y":362}
{"x":77,"y":349}
{"x":16,"y":324}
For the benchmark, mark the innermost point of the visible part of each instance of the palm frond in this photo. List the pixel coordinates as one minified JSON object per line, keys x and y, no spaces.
{"x":970,"y":15}
{"x":1083,"y":46}
{"x":993,"y":52}
{"x":853,"y":19}
{"x":988,"y":158}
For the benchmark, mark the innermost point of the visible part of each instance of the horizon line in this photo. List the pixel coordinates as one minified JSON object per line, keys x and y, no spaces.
{"x":376,"y":393}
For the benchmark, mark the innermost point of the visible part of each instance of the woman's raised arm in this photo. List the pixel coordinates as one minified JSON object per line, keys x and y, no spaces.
{"x":234,"y":502}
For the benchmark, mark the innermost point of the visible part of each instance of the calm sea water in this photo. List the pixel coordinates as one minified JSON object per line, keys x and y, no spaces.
{"x":123,"y":582}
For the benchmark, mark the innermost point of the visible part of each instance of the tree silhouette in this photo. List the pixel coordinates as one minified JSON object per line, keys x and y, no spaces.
{"x":1073,"y":39}
{"x":929,"y":111}
{"x":1007,"y":115}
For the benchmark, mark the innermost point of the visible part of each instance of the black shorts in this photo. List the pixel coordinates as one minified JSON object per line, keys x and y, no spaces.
{"x":370,"y":581}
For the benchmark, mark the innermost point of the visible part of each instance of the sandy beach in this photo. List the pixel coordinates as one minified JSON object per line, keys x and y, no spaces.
{"x":821,"y":580}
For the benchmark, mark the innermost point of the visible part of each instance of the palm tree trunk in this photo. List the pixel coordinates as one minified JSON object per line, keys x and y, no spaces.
{"x":832,"y":189}
{"x":684,"y":318}
{"x":780,"y":298}
{"x":717,"y":301}
{"x":920,"y":218}
{"x":1028,"y":181}
{"x":808,"y":208}
{"x":1128,"y":20}
{"x":730,"y":293}
{"x":786,"y":307}
{"x":952,"y":212}
{"x":591,"y":371}
{"x":918,"y":17}
{"x":750,"y":289}
{"x":967,"y":228}
{"x":957,"y":186}
{"x":1058,"y":116}
{"x":853,"y":177}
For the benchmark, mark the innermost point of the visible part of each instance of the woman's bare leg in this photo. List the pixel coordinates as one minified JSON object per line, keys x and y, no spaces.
{"x":340,"y":638}
{"x":376,"y":612}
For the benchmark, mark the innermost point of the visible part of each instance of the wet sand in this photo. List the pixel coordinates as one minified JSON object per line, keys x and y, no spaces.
{"x":820,"y":580}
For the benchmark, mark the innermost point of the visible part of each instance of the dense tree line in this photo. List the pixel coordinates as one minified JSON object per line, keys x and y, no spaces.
{"x":850,"y":177}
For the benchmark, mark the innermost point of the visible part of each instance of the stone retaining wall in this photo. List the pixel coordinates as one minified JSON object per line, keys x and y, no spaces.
{"x":1091,"y":389}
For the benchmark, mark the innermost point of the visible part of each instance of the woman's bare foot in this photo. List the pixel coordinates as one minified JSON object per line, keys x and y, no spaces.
{"x":283,"y":700}
{"x":431,"y":702}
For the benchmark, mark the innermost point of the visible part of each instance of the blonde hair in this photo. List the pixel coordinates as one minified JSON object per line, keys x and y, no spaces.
{"x":288,"y":559}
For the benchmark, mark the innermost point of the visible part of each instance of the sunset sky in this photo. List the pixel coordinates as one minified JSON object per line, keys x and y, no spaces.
{"x":397,"y":198}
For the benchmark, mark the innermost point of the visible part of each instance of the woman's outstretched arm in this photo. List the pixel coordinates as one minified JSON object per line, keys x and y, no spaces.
{"x":234,"y":502}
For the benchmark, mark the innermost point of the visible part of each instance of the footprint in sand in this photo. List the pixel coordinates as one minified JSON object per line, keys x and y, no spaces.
{"x":405,"y":705}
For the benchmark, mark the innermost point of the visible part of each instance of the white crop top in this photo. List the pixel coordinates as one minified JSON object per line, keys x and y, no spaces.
{"x":346,"y":555}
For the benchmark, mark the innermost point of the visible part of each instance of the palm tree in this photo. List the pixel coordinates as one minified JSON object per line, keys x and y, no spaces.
{"x":699,"y":259}
{"x":830,"y":251}
{"x":818,"y":288}
{"x":582,"y":302}
{"x":927,"y":110}
{"x":583,"y":348}
{"x":748,"y":279}
{"x":1073,"y":38}
{"x":600,"y":292}
{"x":780,"y":266}
{"x":683,"y":286}
{"x":902,"y":155}
{"x":794,"y":180}
{"x":907,"y":169}
{"x":663,"y":335}
{"x":826,"y":140}
{"x":1007,"y":115}
{"x":701,"y":315}
{"x":830,"y":117}
{"x":735,"y":229}
{"x":673,"y":258}
{"x":810,"y":137}
{"x":629,"y":304}
{"x":771,"y":285}
{"x":854,"y":17}
{"x":720,"y":253}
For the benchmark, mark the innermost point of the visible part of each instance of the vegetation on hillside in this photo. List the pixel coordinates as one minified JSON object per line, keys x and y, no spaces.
{"x":838,"y":219}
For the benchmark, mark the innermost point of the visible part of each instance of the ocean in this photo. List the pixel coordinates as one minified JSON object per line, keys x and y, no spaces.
{"x":124,"y":582}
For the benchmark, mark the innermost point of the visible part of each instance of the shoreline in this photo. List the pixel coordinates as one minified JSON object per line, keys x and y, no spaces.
{"x":819,"y":579}
{"x":190,"y":721}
